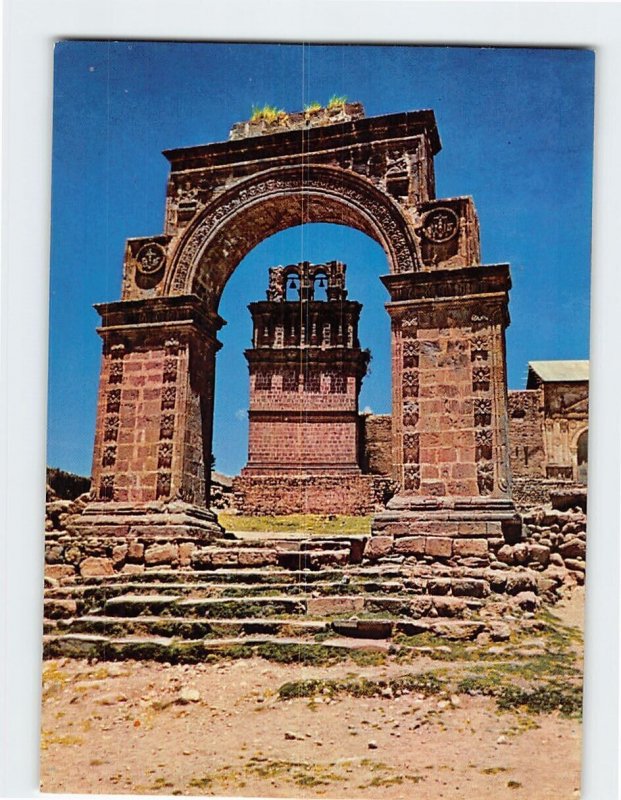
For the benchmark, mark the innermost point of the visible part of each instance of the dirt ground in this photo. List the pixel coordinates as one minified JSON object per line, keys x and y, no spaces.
{"x":223,"y":730}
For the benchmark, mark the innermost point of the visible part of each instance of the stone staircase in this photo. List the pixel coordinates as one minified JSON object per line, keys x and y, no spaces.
{"x":289,"y":597}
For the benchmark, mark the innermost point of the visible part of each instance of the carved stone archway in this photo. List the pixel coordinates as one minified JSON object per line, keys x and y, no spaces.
{"x":448,"y":316}
{"x":274,"y":200}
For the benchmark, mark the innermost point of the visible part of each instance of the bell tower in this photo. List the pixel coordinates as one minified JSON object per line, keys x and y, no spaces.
{"x":306,"y":369}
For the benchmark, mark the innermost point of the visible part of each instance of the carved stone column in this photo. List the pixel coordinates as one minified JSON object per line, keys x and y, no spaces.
{"x":152,"y":455}
{"x":450,"y":405}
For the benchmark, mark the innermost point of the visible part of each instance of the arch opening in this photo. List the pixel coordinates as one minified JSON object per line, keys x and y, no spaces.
{"x":582,"y":456}
{"x":317,"y":244}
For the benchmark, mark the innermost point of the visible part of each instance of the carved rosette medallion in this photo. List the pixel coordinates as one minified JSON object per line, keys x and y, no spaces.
{"x":440,"y":225}
{"x":150,"y":259}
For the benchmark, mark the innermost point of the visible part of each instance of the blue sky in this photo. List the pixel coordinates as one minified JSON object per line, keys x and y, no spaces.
{"x":516,"y":127}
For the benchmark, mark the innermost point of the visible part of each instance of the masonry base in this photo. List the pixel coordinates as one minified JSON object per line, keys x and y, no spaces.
{"x":155,"y":520}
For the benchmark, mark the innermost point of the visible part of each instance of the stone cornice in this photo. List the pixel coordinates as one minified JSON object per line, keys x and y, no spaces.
{"x":149,"y":317}
{"x":338,"y":135}
{"x":445,"y":284}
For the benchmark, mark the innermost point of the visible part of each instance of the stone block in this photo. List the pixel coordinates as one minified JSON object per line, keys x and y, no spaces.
{"x":470,"y":587}
{"x":470,"y":547}
{"x":135,"y":551}
{"x":505,"y":554}
{"x":521,"y":553}
{"x":574,"y":548}
{"x":420,"y":606}
{"x":378,"y":546}
{"x":334,"y":605}
{"x":499,"y":631}
{"x":224,"y":558}
{"x":132,"y":569}
{"x":257,"y":558}
{"x":449,"y":606}
{"x":439,"y":586}
{"x":438,"y":546}
{"x":73,"y":554}
{"x":93,"y":567}
{"x":185,"y":553}
{"x":410,"y":545}
{"x":54,"y":553}
{"x":518,"y":582}
{"x":556,"y":559}
{"x":539,"y":554}
{"x":118,"y":554}
{"x":458,"y":630}
{"x":161,"y":554}
{"x":57,"y":571}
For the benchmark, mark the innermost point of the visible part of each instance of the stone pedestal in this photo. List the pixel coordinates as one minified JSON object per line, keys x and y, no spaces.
{"x":450,"y":418}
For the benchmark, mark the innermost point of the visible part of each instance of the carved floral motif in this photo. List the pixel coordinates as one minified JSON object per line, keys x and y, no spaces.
{"x":485,"y":477}
{"x":482,"y":411}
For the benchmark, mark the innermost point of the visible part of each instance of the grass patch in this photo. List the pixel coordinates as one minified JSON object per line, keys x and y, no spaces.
{"x":49,"y":737}
{"x":297,"y":523}
{"x":426,"y":683}
{"x":267,"y":113}
{"x":337,"y":100}
{"x":541,"y":699}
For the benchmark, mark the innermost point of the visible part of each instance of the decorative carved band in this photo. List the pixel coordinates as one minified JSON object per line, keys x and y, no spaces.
{"x":379,"y":211}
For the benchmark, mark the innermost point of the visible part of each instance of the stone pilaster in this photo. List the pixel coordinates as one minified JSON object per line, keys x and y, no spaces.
{"x":450,"y":403}
{"x":152,"y":454}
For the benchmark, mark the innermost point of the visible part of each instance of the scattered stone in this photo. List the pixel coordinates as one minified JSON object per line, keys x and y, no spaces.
{"x":499,"y":631}
{"x":188,"y":695}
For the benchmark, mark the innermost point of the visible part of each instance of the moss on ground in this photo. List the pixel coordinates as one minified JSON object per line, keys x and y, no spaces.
{"x":297,"y":523}
{"x":426,"y":683}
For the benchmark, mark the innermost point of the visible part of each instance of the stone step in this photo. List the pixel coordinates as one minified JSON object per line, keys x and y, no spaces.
{"x":288,"y":557}
{"x":301,"y":541}
{"x":229,"y":607}
{"x":414,"y":606}
{"x":181,"y":627}
{"x":62,"y":599}
{"x":172,"y":650}
{"x":191,"y":629}
{"x":263,"y":575}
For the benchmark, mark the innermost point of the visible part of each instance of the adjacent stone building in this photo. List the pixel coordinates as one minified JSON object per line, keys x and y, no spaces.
{"x":548,"y":423}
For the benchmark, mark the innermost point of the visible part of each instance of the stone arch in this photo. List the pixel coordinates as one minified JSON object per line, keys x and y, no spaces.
{"x":448,"y":315}
{"x":276,"y":199}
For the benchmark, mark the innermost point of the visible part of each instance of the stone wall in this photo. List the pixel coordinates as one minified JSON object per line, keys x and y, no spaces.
{"x":376,"y":444}
{"x":311,"y":494}
{"x":526,"y":444}
{"x":529,"y":492}
{"x":65,"y":485}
